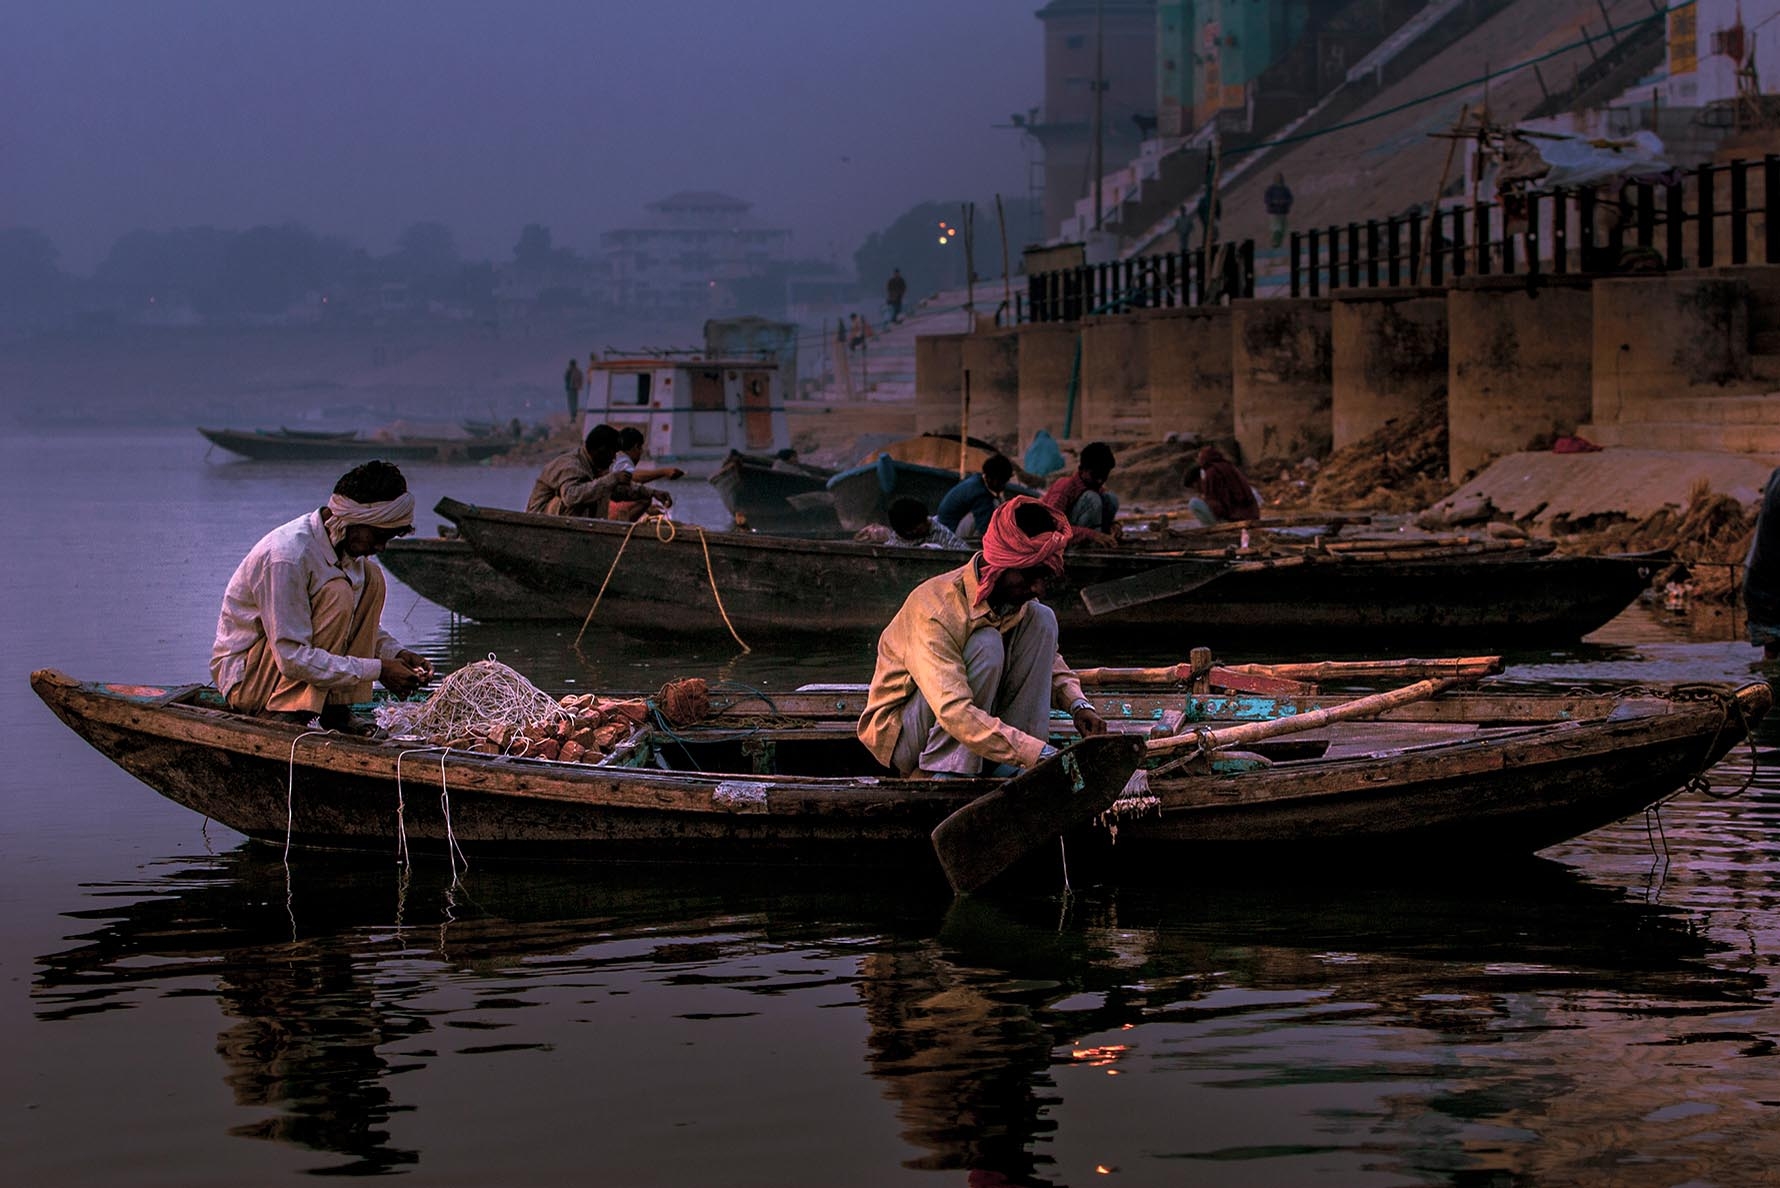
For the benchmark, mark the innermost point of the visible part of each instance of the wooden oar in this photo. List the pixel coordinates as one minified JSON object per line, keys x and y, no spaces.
{"x":997,"y":829}
{"x":1470,"y":667}
{"x":1168,"y":581}
{"x":1378,"y":703}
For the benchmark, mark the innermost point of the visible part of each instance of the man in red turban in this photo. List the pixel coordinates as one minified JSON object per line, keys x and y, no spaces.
{"x":968,"y":670}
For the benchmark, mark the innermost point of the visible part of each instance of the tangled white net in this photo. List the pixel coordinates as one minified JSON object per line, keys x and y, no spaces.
{"x":483,"y":694}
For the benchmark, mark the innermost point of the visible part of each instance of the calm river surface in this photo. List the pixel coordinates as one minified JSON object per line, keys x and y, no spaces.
{"x":179,"y":1010}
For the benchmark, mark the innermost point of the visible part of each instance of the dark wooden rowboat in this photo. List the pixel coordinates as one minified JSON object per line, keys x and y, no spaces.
{"x":286,"y":446}
{"x":274,"y":781}
{"x":447,"y":571}
{"x":776,"y":496}
{"x":1471,"y":595}
{"x":1464,"y":775}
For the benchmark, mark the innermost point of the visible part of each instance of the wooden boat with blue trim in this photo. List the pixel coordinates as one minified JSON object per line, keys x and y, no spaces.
{"x":782,"y":777}
{"x":668,"y":579}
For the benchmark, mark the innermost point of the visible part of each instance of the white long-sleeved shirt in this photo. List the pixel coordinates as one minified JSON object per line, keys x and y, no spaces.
{"x":269,"y":596}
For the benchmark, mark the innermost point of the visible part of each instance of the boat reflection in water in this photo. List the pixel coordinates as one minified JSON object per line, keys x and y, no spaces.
{"x":629,"y":1025}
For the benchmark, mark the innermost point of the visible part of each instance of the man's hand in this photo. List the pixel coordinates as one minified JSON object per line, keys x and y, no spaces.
{"x":404,"y":673}
{"x":1087,"y":720}
{"x":674,"y":472}
{"x":662,"y":497}
{"x":1106,"y":540}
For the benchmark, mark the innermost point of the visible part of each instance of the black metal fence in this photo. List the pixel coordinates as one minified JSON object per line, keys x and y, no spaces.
{"x":1168,"y":281}
{"x":1706,"y":217}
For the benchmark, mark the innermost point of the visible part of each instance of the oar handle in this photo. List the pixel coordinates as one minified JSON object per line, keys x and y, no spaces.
{"x":1378,"y":703}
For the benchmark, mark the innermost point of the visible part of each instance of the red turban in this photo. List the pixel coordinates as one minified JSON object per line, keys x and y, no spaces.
{"x":1006,"y":545}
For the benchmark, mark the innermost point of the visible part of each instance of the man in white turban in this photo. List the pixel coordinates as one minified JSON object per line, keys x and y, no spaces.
{"x":300,"y":634}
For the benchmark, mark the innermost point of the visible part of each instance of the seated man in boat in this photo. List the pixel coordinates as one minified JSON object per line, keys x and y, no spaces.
{"x":968,"y":669}
{"x":1224,"y":493}
{"x":300,"y":633}
{"x":583,"y":483}
{"x":630,"y":452}
{"x":977,"y":496}
{"x":1083,"y":499}
{"x":912,"y":528}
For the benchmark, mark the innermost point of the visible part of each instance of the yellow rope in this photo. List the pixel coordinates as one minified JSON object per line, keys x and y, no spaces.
{"x":710,"y":574}
{"x":602,"y":590}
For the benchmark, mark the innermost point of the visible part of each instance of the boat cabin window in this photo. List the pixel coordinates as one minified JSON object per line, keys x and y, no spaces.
{"x":630,"y":389}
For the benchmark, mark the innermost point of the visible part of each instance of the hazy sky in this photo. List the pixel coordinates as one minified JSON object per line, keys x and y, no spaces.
{"x":358,"y":118}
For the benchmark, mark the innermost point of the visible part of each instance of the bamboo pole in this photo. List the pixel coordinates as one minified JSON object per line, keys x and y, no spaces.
{"x":1248,"y":732}
{"x":1452,"y":145}
{"x":1472,"y":667}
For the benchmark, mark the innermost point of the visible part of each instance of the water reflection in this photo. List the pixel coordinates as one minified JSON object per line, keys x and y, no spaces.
{"x":1349,"y":1025}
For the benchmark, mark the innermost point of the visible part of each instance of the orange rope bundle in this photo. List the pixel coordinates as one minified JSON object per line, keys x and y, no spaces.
{"x":685,"y":702}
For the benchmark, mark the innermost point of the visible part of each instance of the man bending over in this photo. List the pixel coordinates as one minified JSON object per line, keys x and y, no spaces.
{"x":968,"y":670}
{"x":300,"y":633}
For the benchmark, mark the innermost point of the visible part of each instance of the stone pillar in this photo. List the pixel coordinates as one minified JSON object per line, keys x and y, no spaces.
{"x":939,"y":382}
{"x":1388,"y":356}
{"x":1190,"y":385}
{"x":1114,"y":401}
{"x":1517,"y":365}
{"x":1659,"y":338}
{"x":1047,"y":358}
{"x":1281,"y":382}
{"x":992,"y":360}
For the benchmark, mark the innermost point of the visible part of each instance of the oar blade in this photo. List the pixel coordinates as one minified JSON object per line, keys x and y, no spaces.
{"x":1152,"y":585}
{"x":992,"y":832}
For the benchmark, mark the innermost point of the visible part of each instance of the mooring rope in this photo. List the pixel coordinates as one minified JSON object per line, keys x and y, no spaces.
{"x":452,"y":850}
{"x":290,"y":793}
{"x":715,"y":593}
{"x":610,"y":570}
{"x":401,"y":801}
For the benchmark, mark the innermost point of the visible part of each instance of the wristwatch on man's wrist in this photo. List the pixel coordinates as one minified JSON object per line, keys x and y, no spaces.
{"x":1079,"y":704}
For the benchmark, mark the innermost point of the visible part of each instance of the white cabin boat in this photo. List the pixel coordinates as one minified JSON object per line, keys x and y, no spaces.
{"x":692,"y":411}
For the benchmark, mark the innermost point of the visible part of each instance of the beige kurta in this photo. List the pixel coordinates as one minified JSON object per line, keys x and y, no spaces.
{"x":299,"y":626}
{"x":923,"y":649}
{"x":569,"y":486}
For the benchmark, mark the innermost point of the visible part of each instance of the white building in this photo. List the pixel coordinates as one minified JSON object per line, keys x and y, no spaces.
{"x":693,"y":253}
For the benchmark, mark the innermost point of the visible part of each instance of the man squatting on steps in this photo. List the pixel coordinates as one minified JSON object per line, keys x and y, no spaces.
{"x":300,"y":632}
{"x":968,"y":670}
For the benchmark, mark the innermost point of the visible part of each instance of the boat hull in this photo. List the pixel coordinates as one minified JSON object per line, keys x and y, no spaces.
{"x":776,"y":497}
{"x":449,"y":573}
{"x":671,"y":582}
{"x":294,"y":447}
{"x":1491,"y":775}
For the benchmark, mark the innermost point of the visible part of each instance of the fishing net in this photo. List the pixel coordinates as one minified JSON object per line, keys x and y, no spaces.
{"x":477,"y":698}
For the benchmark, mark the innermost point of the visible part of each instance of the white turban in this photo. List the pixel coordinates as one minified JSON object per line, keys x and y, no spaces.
{"x":390,"y":513}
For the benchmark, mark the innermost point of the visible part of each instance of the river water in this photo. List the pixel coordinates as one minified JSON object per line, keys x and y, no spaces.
{"x":180,"y":1009}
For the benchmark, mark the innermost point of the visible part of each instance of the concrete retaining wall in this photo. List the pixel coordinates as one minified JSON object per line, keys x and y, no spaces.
{"x":992,"y":361}
{"x":1282,"y":385}
{"x":1518,"y":365}
{"x":1047,"y":357}
{"x":939,"y":382}
{"x":1114,"y":404}
{"x":1189,"y":370}
{"x":1389,"y":355}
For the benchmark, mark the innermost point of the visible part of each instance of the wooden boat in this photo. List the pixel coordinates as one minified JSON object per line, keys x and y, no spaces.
{"x":925,"y":467}
{"x":1462,"y":775}
{"x":671,"y":582}
{"x":776,"y":495}
{"x":275,"y":781}
{"x":447,"y":571}
{"x":286,"y":446}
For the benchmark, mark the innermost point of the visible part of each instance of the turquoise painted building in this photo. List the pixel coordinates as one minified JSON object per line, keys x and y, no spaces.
{"x":1209,"y":53}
